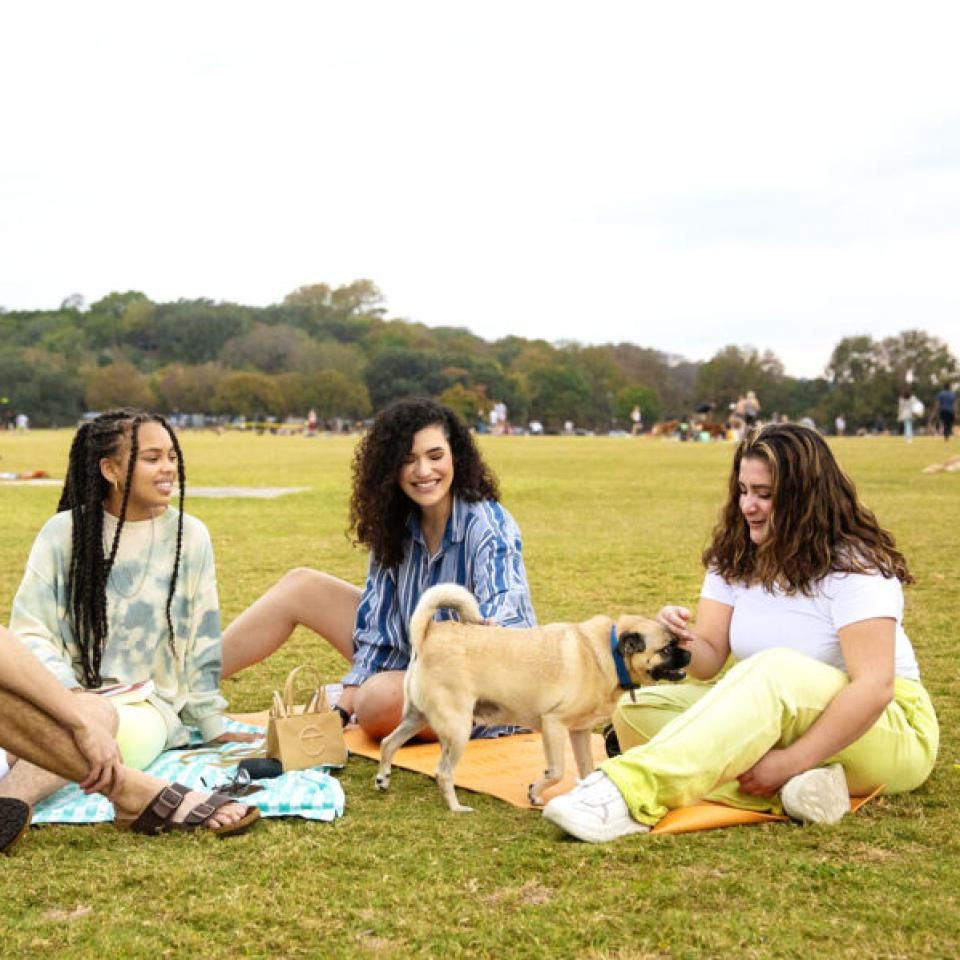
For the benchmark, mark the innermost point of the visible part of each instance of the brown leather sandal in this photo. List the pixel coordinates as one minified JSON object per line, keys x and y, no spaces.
{"x":14,"y":820}
{"x":157,"y":816}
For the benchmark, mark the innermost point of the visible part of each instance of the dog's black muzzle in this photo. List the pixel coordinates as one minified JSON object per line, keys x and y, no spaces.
{"x":673,"y":659}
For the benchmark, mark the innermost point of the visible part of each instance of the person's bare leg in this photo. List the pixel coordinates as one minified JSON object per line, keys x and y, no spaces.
{"x":40,"y":744}
{"x":31,"y":783}
{"x":325,"y":604}
{"x":378,"y":704}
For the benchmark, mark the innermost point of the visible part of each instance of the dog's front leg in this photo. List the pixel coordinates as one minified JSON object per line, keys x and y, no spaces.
{"x":411,"y":723}
{"x":580,"y":740}
{"x":552,"y":733}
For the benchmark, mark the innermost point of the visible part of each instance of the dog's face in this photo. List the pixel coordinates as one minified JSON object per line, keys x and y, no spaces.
{"x":650,"y":651}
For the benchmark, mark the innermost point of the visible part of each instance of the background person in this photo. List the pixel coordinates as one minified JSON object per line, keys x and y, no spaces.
{"x":427,"y":506}
{"x":803,"y":587}
{"x":947,"y":409}
{"x":906,"y":410}
{"x":121,"y":587}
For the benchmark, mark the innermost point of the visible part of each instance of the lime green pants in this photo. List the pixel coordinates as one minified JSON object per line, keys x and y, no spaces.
{"x":689,"y":741}
{"x":141,"y":734}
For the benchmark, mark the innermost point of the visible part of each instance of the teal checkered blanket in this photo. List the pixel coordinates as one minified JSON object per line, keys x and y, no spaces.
{"x":313,"y":794}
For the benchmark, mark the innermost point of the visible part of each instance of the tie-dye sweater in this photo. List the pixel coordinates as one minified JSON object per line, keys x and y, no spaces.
{"x":137,"y":647}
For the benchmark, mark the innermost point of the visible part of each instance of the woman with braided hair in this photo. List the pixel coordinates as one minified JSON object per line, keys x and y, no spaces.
{"x":120,"y":587}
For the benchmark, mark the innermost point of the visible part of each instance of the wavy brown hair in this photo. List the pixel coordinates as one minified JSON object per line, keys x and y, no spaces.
{"x":379,"y":509}
{"x":817,"y":525}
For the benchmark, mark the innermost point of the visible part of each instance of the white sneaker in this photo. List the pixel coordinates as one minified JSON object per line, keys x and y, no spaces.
{"x":817,"y":796}
{"x":594,"y":811}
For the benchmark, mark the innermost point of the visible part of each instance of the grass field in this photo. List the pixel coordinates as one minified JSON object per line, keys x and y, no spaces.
{"x":608,"y":524}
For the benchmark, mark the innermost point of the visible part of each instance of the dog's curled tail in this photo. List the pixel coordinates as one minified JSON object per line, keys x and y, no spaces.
{"x":440,"y":597}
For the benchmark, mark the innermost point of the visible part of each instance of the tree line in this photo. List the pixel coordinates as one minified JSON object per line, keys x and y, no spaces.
{"x":334,"y":350}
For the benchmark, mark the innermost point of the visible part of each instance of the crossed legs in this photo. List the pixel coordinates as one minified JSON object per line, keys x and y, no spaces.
{"x":47,"y":756}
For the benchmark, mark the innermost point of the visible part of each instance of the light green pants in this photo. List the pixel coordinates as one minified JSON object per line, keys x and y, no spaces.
{"x":141,"y":734}
{"x":689,"y":741}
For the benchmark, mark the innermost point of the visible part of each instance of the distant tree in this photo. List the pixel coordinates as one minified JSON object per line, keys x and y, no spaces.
{"x":854,"y":360}
{"x":344,"y":313}
{"x":637,"y":396}
{"x":248,"y":394}
{"x":927,"y":359}
{"x":603,"y":379}
{"x":118,"y":384}
{"x":397,"y":372}
{"x":470,"y":402}
{"x":41,"y":385}
{"x":733,"y":371}
{"x":116,"y":304}
{"x":112,"y":318}
{"x":270,"y":349}
{"x":862,"y":386}
{"x":558,"y":394}
{"x":74,"y":301}
{"x":360,"y":296}
{"x":331,"y":393}
{"x":866,"y":376}
{"x":192,"y":331}
{"x":187,"y":389}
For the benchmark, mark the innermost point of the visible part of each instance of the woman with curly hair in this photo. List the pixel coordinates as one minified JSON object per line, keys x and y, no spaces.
{"x":120,"y":587}
{"x":804,"y":589}
{"x":426,"y":505}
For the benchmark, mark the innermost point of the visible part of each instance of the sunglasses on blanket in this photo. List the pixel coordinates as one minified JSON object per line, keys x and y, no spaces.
{"x":239,"y":785}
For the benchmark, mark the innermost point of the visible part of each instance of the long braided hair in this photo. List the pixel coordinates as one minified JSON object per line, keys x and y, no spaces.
{"x":84,"y":491}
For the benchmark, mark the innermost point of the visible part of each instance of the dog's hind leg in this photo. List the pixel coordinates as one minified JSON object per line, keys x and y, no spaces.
{"x":411,"y":723}
{"x":453,"y":737}
{"x":552,"y":732}
{"x":582,"y":745}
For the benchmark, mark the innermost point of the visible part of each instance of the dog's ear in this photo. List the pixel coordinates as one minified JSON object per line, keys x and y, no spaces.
{"x":630,"y":643}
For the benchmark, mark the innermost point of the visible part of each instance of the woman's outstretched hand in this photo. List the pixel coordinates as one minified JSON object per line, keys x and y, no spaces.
{"x":677,"y":621}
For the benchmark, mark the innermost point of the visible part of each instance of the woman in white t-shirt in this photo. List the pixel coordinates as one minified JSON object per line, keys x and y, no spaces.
{"x":804,"y":589}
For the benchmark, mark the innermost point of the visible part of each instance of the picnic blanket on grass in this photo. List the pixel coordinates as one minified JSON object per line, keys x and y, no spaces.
{"x":313,"y":794}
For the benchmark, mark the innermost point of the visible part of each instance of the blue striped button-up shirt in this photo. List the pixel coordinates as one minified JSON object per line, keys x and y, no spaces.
{"x":481,"y":550}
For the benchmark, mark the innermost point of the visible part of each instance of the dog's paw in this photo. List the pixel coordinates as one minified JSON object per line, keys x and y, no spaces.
{"x":533,"y":796}
{"x":382,"y":781}
{"x":460,"y":808}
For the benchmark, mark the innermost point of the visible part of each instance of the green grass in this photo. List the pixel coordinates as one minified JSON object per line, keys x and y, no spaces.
{"x":608,"y":524}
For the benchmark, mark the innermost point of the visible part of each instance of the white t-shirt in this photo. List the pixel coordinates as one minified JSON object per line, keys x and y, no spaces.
{"x":762,"y":619}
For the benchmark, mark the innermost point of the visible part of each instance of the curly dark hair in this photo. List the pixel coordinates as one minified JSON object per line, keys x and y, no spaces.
{"x":817,"y":523}
{"x":379,"y":509}
{"x":84,"y":491}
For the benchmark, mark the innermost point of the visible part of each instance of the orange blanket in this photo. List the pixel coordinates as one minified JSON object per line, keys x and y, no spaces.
{"x":504,"y":767}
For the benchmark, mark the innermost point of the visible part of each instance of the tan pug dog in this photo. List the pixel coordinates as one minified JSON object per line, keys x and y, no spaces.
{"x":563,"y":676}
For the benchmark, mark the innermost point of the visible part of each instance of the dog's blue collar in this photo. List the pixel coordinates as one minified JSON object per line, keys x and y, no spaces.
{"x":623,"y":674}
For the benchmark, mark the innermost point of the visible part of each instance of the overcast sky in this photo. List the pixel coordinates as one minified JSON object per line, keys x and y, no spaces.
{"x":678,"y":175}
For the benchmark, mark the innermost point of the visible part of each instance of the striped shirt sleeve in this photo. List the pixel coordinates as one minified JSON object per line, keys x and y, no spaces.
{"x":499,"y":578}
